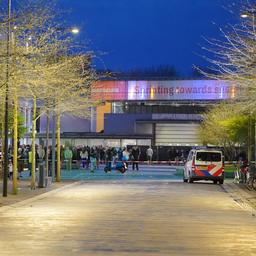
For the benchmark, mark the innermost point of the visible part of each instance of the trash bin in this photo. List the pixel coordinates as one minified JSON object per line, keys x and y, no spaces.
{"x":41,"y":178}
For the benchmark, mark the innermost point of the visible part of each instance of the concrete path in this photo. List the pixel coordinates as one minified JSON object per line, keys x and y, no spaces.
{"x":122,"y":218}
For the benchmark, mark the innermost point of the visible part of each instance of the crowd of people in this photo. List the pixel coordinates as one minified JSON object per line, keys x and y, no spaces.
{"x":88,"y":157}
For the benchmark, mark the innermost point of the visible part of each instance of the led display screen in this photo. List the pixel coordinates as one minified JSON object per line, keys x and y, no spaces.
{"x":164,"y":90}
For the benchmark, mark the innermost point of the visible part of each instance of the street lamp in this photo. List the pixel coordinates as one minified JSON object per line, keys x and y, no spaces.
{"x":75,"y":30}
{"x":244,"y":15}
{"x":6,"y":113}
{"x":247,"y":13}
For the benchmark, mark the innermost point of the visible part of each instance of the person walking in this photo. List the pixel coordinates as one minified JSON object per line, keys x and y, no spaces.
{"x":21,"y":159}
{"x":149,"y":153}
{"x":84,"y":157}
{"x":30,"y":156}
{"x":41,"y":153}
{"x":170,"y":153}
{"x":93,"y":159}
{"x":109,"y":157}
{"x":135,"y":156}
{"x":244,"y":170}
{"x":125,"y":156}
{"x":68,"y":155}
{"x":89,"y":157}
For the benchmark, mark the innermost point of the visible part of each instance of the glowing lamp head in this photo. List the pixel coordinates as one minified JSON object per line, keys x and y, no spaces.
{"x":244,"y":15}
{"x":75,"y":30}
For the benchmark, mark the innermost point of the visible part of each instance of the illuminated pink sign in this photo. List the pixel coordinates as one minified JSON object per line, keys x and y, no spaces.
{"x":109,"y":90}
{"x":165,"y":90}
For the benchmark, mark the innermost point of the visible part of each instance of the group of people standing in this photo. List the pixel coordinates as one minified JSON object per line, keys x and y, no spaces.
{"x":24,"y":158}
{"x":89,"y":157}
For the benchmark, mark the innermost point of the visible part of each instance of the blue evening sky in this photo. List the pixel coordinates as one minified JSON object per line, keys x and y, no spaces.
{"x":145,"y":33}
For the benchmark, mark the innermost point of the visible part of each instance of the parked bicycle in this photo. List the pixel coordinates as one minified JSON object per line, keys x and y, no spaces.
{"x":251,"y":178}
{"x":241,"y":172}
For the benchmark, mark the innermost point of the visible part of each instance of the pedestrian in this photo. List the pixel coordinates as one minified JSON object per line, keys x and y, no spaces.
{"x":244,"y":171}
{"x":89,"y":157}
{"x":84,"y":157}
{"x":36,"y":157}
{"x":40,"y":153}
{"x":97,"y":151}
{"x":170,"y":156}
{"x":10,"y":168}
{"x":68,"y":155}
{"x":125,"y":156}
{"x":21,"y":159}
{"x":102,"y":155}
{"x":177,"y":157}
{"x":120,"y":154}
{"x":109,"y":157}
{"x":49,"y":153}
{"x":93,"y":160}
{"x":149,"y":153}
{"x":135,"y":156}
{"x":30,"y":156}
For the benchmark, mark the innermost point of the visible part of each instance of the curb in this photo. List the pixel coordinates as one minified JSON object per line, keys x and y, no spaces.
{"x":240,"y":197}
{"x":37,"y":197}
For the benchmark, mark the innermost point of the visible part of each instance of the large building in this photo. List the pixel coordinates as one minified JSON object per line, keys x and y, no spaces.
{"x":161,"y":113}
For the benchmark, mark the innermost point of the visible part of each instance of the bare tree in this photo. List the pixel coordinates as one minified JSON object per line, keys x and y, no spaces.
{"x":233,"y":58}
{"x":43,"y":67}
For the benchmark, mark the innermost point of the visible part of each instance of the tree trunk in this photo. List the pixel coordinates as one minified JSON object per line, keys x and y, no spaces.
{"x":15,"y":143}
{"x":15,"y":120}
{"x":58,"y":149}
{"x":33,"y":172}
{"x":2,"y":157}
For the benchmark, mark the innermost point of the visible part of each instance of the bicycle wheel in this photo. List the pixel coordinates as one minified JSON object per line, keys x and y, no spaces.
{"x":254,"y":183}
{"x":249,"y":183}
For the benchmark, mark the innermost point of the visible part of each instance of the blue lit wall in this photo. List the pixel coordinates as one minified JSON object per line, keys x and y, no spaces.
{"x":123,"y":123}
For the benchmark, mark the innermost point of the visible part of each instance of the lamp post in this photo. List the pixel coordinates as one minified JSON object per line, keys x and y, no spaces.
{"x":6,"y":112}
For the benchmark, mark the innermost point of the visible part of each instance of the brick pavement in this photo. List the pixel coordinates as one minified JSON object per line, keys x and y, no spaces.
{"x":129,"y":218}
{"x":237,"y":191}
{"x":25,"y":192}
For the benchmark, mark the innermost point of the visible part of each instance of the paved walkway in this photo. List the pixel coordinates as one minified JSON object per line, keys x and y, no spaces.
{"x":129,"y":218}
{"x":25,"y":192}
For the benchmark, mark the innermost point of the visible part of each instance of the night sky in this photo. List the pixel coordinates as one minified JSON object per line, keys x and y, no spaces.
{"x":145,"y":33}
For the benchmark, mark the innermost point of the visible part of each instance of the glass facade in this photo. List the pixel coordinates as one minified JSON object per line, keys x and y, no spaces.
{"x":157,"y":107}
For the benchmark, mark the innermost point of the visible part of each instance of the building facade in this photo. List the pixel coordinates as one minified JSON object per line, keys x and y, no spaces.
{"x":160,"y":113}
